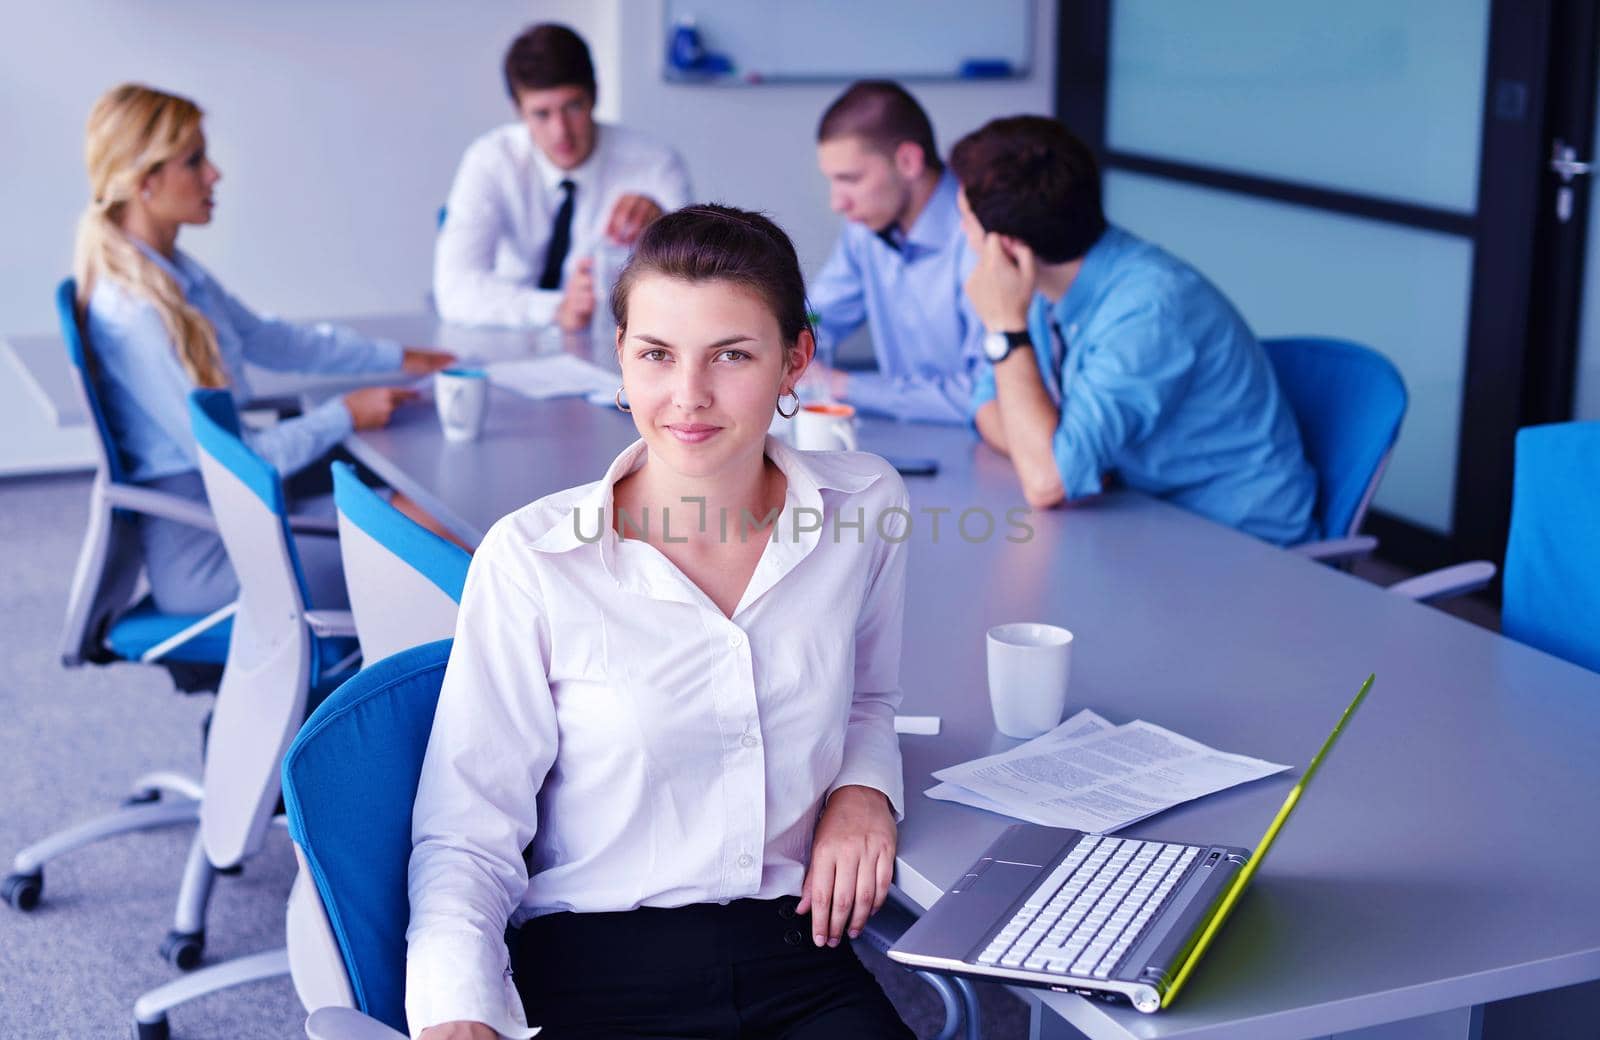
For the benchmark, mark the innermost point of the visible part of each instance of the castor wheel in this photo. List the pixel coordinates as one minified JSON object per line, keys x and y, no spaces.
{"x":145,"y":797}
{"x":157,"y":1030}
{"x":182,"y":950}
{"x":22,"y":891}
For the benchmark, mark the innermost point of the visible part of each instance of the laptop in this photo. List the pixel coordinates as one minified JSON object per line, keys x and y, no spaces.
{"x":1120,"y":919}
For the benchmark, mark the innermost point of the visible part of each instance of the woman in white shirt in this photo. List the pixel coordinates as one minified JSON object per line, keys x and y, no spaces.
{"x":659,"y":681}
{"x":160,"y":325}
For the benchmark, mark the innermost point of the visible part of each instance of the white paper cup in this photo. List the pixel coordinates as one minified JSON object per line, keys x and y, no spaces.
{"x":825,"y":427}
{"x":1029,"y":664}
{"x":462,"y":397}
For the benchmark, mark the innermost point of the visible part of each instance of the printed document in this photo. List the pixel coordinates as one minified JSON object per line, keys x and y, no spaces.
{"x":1092,"y":776}
{"x":559,"y":375}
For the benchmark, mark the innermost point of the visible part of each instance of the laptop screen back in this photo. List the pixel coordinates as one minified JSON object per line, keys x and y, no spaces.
{"x":1231,"y":895}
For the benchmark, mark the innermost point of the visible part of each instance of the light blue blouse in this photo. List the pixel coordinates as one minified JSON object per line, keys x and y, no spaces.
{"x":1165,"y":385}
{"x":145,"y":390}
{"x":927,"y":338}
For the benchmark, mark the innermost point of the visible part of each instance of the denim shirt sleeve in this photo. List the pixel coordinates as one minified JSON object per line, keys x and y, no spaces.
{"x":282,"y":345}
{"x":1129,"y":365}
{"x":837,"y":297}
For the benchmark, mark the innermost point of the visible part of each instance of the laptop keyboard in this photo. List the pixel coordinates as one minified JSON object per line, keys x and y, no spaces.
{"x":1083,"y":918}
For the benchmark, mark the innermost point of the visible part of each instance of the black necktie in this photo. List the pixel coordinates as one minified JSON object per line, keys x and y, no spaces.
{"x":560,"y":239}
{"x":887,"y":234}
{"x":1058,"y":364}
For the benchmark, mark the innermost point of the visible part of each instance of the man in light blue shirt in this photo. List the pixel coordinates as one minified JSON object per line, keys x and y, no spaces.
{"x":899,"y":263}
{"x":1110,"y":356}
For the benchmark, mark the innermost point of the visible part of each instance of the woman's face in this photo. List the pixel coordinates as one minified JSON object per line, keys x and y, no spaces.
{"x":703,"y":364}
{"x":179,"y":191}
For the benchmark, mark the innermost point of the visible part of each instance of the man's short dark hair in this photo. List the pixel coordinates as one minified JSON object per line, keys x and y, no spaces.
{"x":883,"y":114}
{"x":546,"y":56}
{"x":1030,"y":178}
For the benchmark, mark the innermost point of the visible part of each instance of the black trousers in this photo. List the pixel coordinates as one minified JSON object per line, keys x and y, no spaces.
{"x":709,"y":972}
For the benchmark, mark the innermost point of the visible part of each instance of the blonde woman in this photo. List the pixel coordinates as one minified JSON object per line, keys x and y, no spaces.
{"x":160,"y":325}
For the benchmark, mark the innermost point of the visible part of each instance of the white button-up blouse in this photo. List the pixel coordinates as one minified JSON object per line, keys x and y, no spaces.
{"x":607,"y":738}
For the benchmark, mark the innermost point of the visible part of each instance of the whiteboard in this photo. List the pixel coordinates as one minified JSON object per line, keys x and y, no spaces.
{"x":855,"y":39}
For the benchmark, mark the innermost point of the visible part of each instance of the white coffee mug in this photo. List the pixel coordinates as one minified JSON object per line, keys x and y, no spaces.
{"x":462,"y":397}
{"x":1029,"y":664}
{"x":825,"y":427}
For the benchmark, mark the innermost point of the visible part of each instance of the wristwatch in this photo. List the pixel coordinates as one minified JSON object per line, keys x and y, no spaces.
{"x":997,"y":346}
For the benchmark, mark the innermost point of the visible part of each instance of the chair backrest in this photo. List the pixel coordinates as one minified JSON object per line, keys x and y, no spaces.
{"x":349,"y":780}
{"x":271,"y":661}
{"x":107,"y":573}
{"x":404,"y":581}
{"x":1348,"y":401}
{"x":1551,"y":594}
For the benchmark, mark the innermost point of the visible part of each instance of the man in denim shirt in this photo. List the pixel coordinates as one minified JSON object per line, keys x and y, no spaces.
{"x":1108,"y":355}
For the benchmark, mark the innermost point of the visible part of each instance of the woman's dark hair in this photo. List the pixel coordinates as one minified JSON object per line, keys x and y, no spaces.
{"x":711,"y":243}
{"x":546,"y":56}
{"x":1030,"y":178}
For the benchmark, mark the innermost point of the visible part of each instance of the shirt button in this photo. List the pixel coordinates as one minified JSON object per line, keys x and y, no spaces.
{"x":736,"y":640}
{"x":746,"y":860}
{"x":748,"y":741}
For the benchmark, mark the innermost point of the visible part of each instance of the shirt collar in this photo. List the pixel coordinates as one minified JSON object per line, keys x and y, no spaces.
{"x":551,"y":175}
{"x":180,"y":268}
{"x":939,"y":219}
{"x":588,"y":520}
{"x":1098,"y":265}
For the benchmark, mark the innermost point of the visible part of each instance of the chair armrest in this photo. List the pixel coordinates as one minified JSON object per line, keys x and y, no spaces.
{"x":336,"y":1023}
{"x":305,"y":523}
{"x":1446,"y":583}
{"x":160,"y":503}
{"x":1356,"y":547}
{"x":284,"y":406}
{"x":331,"y":622}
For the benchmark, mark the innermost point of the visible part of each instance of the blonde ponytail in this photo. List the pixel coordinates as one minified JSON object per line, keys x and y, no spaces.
{"x":132,"y":130}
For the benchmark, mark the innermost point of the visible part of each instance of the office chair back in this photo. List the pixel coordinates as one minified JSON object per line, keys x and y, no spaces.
{"x":1348,"y":401}
{"x":273,"y":660}
{"x":404,"y":582}
{"x":349,"y":780}
{"x":104,"y":622}
{"x":1551,"y":594}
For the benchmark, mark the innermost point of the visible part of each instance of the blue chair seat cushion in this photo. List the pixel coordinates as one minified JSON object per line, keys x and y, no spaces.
{"x":143,"y":626}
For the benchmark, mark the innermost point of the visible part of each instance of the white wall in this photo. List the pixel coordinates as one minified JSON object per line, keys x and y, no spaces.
{"x":756,"y":146}
{"x":337,"y":126}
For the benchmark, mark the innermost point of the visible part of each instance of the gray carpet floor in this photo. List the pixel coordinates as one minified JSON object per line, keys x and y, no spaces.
{"x":70,"y":744}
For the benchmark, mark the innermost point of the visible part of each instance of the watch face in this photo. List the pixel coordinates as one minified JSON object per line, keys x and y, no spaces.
{"x":996,"y":346}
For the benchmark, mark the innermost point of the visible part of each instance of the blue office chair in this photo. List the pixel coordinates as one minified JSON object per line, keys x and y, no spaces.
{"x":109,"y":619}
{"x":404,"y":582}
{"x":1551,"y":593}
{"x":1348,"y":401}
{"x":285,"y":654}
{"x":349,"y":780}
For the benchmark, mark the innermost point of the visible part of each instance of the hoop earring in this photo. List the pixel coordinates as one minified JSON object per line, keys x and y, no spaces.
{"x":617,"y":397}
{"x":791,"y":413}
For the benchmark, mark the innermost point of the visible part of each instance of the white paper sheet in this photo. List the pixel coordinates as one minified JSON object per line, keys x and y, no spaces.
{"x":559,"y":375}
{"x":1097,"y":778}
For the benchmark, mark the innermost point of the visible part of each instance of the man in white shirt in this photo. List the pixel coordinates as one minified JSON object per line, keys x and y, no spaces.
{"x":535,"y":201}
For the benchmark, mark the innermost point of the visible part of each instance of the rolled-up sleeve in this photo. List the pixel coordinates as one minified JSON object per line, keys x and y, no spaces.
{"x":871,"y":749}
{"x":1126,"y":370}
{"x":493,"y":742}
{"x":838,"y":299}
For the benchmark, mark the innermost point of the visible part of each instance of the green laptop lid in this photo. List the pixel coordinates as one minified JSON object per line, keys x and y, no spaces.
{"x":1231,"y":895}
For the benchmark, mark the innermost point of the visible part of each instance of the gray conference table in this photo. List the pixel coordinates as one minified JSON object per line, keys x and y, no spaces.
{"x":1449,"y":853}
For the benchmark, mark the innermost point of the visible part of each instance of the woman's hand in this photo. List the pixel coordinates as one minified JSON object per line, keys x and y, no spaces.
{"x":852,"y":863}
{"x":420,"y":361}
{"x":371,"y":406}
{"x":458,"y":1031}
